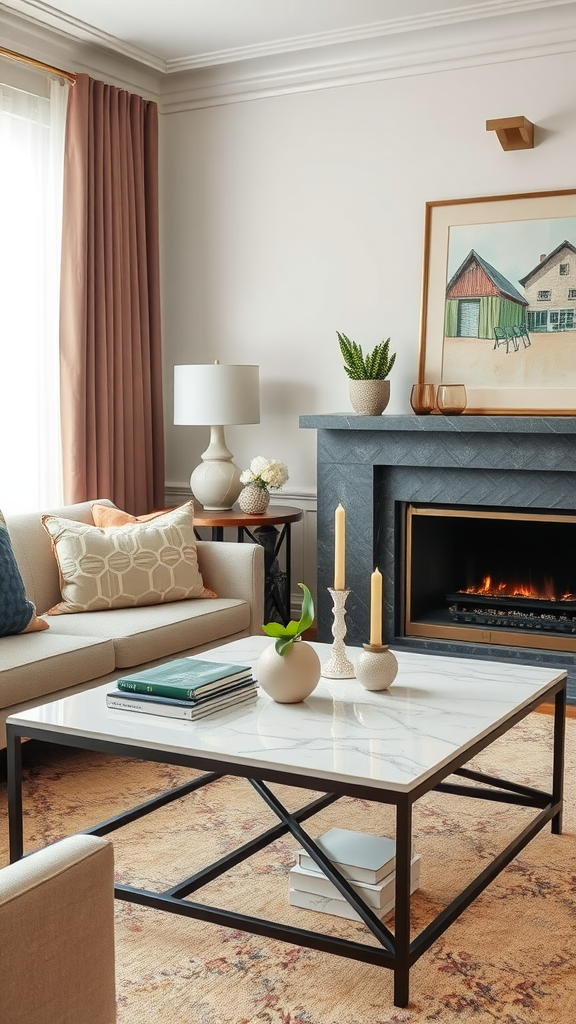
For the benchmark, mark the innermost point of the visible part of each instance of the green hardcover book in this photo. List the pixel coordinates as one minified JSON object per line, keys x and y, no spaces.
{"x":185,"y":678}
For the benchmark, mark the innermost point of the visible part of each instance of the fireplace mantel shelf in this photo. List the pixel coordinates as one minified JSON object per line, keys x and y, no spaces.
{"x":443,"y":424}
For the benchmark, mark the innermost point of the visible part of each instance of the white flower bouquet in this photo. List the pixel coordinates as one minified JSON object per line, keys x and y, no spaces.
{"x":265,"y":473}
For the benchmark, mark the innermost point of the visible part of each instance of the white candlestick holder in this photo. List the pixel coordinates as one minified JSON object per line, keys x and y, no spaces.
{"x":338,"y":665}
{"x":376,"y":667}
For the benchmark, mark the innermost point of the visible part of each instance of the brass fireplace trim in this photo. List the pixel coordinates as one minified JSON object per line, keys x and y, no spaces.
{"x":501,"y":638}
{"x":478,"y":634}
{"x":470,"y":513}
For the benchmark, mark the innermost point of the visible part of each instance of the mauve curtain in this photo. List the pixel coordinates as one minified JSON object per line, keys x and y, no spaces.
{"x":110,"y":337}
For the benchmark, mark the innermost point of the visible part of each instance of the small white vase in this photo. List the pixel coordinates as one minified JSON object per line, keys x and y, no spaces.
{"x":254,"y":500}
{"x":290,"y":677}
{"x":369,"y":397}
{"x":376,"y":667}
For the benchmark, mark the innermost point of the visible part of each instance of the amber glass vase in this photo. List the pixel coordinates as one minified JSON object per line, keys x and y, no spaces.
{"x":423,"y":398}
{"x":451,"y":399}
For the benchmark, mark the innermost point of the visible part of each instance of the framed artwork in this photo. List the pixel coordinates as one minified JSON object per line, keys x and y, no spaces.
{"x":499,"y":301}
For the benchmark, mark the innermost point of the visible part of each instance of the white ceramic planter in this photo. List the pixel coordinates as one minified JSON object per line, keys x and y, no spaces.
{"x":289,"y":677}
{"x":369,"y":397}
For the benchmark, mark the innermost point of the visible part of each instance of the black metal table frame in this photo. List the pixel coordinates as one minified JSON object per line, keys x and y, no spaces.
{"x":396,"y":951}
{"x":282,"y":537}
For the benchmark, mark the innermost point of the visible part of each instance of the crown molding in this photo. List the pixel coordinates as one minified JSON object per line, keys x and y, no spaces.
{"x":515,"y":30}
{"x":474,"y":34}
{"x":374,"y":30}
{"x":43,"y":14}
{"x":27,"y":35}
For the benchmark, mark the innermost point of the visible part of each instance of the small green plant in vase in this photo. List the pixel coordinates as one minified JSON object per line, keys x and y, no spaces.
{"x":369,"y":386}
{"x":289,"y":670}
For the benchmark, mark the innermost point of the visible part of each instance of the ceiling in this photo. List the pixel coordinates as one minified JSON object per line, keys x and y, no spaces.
{"x":204,"y":32}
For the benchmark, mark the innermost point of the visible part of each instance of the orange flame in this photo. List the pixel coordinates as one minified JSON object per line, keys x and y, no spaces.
{"x":544,"y":593}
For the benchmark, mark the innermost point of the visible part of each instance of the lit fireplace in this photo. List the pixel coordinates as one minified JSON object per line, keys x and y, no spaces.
{"x":499,"y":577}
{"x":546,"y":592}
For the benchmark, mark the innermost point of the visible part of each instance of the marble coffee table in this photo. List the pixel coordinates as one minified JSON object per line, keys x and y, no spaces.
{"x":389,"y":747}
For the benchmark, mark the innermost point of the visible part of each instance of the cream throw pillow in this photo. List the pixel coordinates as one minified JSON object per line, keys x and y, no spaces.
{"x":122,"y":567}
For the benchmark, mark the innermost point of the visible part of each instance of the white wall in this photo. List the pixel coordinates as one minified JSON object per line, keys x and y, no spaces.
{"x":287,"y":218}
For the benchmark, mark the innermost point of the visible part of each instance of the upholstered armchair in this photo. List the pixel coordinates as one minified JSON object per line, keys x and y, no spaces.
{"x":57,"y":935}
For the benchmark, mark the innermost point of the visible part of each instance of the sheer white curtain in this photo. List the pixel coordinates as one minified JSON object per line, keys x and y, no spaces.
{"x":31,"y":174}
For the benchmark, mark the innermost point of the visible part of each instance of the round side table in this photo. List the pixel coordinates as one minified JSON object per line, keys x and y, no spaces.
{"x":261,"y":529}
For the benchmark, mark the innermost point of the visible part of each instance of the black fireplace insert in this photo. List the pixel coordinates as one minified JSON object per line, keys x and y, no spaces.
{"x":496,"y":576}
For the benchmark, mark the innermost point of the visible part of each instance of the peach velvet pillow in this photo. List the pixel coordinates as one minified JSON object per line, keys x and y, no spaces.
{"x":138,"y":563}
{"x":109,"y":515}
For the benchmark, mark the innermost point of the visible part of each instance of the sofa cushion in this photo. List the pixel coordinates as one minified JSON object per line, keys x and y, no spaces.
{"x":110,"y":515}
{"x":146,"y":634}
{"x":17,"y":614}
{"x":33,"y":666}
{"x":127,"y":566}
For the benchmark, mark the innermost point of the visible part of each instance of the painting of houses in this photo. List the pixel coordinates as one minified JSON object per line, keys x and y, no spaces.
{"x":551,"y":291}
{"x":479,"y":299}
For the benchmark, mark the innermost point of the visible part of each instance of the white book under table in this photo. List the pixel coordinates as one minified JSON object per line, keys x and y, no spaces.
{"x":359,"y":856}
{"x":313,"y":891}
{"x":367,"y":861}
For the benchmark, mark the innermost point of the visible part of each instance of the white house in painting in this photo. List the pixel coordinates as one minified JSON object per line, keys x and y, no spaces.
{"x":551,"y":291}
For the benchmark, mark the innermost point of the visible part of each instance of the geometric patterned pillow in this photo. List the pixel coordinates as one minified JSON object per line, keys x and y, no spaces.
{"x":140,"y":563}
{"x":17,"y":614}
{"x":110,"y":515}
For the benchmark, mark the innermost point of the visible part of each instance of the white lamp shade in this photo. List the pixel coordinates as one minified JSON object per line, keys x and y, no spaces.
{"x":214,"y":393}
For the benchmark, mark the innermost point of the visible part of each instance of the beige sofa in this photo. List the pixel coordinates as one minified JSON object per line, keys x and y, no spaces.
{"x":89,"y":648}
{"x":57,"y":935}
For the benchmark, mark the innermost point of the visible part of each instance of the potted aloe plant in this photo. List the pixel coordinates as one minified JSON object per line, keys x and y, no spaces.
{"x":368,"y":386}
{"x":289,"y":669}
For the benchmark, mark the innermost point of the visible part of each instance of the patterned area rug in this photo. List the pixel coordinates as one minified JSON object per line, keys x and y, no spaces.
{"x":510,"y":958}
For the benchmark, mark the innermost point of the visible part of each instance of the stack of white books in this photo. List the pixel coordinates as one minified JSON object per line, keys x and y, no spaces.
{"x":368,"y":862}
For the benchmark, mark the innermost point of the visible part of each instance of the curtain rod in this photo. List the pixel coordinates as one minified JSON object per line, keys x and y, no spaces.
{"x":12,"y":55}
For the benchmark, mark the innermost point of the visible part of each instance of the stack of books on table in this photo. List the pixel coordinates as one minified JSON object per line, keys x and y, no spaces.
{"x":368,"y":862}
{"x":185,"y":688}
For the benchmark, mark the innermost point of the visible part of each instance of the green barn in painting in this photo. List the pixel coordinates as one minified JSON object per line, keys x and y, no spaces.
{"x":478,"y":299}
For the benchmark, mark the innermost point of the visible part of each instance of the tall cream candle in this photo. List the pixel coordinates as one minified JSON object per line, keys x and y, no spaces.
{"x":339,"y":548}
{"x":376,"y":608}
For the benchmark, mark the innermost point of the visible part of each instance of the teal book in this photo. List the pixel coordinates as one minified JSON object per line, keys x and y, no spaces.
{"x":184,"y":678}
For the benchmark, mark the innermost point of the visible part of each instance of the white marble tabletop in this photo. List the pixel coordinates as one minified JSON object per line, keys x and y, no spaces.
{"x":391,"y":740}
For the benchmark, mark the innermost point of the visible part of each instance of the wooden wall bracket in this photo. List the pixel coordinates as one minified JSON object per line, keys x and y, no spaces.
{"x":513,"y":132}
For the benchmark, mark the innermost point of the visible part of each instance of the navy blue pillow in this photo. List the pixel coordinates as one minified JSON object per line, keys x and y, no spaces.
{"x":16,"y":612}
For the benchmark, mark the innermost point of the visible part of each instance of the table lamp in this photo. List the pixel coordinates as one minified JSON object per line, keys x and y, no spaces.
{"x":215,"y":394}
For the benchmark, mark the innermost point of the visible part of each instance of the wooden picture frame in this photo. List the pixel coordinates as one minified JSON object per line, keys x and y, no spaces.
{"x":499,"y":301}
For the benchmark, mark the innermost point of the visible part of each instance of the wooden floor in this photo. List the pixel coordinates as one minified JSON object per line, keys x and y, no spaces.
{"x":548,"y":709}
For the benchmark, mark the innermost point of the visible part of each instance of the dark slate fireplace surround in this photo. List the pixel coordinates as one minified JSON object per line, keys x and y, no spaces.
{"x":373,"y":464}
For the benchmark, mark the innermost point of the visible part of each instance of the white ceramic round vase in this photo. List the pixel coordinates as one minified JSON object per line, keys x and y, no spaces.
{"x":369,"y":397}
{"x":290,"y":677}
{"x":376,"y":667}
{"x":254,"y":500}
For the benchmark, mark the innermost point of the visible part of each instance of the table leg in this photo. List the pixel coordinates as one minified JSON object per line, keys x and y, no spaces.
{"x":402,"y":908}
{"x":558,"y":764}
{"x":288,"y":551}
{"x":14,"y":777}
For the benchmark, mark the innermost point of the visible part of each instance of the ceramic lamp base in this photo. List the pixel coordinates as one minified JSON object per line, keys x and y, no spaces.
{"x":376,"y":667}
{"x":215,"y":483}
